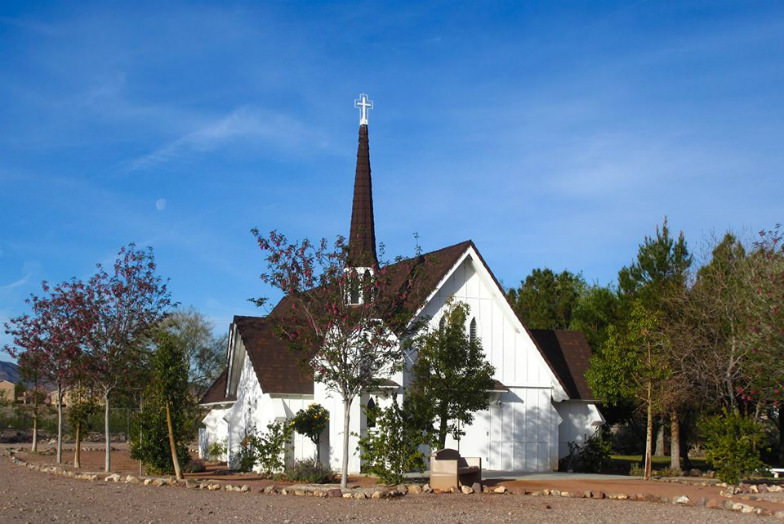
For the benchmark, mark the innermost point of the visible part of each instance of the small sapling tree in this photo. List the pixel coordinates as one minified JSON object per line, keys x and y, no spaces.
{"x":341,"y":320}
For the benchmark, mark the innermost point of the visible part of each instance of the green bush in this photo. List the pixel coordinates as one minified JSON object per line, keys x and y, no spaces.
{"x":733,"y":445}
{"x":311,"y":471}
{"x":216,"y":450}
{"x":636,"y":470}
{"x":393,"y":448}
{"x":264,"y":449}
{"x":150,"y":441}
{"x":593,"y":456}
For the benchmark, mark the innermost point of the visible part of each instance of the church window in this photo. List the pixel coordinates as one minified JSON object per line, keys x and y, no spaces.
{"x":353,"y":288}
{"x":371,"y":413}
{"x":472,"y":331}
{"x":367,"y":290}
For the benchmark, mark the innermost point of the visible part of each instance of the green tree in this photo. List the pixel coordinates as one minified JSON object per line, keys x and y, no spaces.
{"x":633,"y":364}
{"x":596,"y":310}
{"x":206,"y":354}
{"x":546,"y":300}
{"x":312,"y":422}
{"x":451,"y":377}
{"x":658,"y":279}
{"x":166,"y":420}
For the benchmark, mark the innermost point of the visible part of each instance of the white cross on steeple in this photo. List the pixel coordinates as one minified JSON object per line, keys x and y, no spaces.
{"x":363,"y":104}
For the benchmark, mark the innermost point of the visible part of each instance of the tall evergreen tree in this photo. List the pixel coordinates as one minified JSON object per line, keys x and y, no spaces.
{"x":546,"y":300}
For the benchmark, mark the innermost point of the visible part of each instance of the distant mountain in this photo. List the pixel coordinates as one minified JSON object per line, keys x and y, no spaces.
{"x":9,"y":371}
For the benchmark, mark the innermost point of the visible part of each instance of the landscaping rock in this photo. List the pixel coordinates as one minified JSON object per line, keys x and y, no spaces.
{"x":501,"y":490}
{"x":213,"y":487}
{"x":360,"y":495}
{"x":114,"y":477}
{"x":477,"y":487}
{"x":376,"y":495}
{"x":466,"y":490}
{"x":427,"y":489}
{"x":270,"y":490}
{"x":334,"y":493}
{"x":414,"y":489}
{"x":683,"y":499}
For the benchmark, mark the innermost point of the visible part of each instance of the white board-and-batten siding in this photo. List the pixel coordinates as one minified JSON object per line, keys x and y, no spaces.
{"x":519,"y":431}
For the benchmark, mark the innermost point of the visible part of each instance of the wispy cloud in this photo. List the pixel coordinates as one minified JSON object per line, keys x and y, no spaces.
{"x":18,"y":283}
{"x":242,"y":124}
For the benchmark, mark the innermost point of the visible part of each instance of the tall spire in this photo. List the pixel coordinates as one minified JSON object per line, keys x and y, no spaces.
{"x":362,"y":238}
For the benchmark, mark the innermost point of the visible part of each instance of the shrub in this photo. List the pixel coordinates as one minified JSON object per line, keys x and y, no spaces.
{"x":194,"y":466}
{"x":733,"y":445}
{"x":394,"y":447}
{"x":593,"y":456}
{"x":636,"y":470}
{"x":265,"y":449}
{"x":311,"y":471}
{"x":247,"y":456}
{"x":216,"y":450}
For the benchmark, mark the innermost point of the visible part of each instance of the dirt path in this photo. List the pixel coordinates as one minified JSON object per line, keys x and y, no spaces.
{"x":31,"y":496}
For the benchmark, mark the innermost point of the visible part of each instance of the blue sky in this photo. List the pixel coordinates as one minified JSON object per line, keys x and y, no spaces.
{"x":552,"y":134}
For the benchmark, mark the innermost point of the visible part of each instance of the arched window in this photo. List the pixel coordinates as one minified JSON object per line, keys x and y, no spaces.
{"x":371,"y":413}
{"x":353,"y":288}
{"x":367,"y":291}
{"x":472,"y":331}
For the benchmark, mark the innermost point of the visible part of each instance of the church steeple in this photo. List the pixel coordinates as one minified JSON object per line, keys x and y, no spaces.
{"x":362,"y":238}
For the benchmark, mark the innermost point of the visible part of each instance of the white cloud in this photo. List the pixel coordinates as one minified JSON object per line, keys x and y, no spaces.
{"x":160,"y":204}
{"x":18,"y":283}
{"x":277,"y":130}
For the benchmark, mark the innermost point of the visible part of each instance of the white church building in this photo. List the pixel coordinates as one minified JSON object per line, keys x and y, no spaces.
{"x":540,"y":403}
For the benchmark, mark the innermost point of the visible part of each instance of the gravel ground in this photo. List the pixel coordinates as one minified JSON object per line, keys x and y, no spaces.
{"x":31,"y":496}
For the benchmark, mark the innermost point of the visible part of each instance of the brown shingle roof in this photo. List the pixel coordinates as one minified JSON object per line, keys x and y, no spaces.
{"x":569,"y":355}
{"x":217,"y":391}
{"x":278,"y":368}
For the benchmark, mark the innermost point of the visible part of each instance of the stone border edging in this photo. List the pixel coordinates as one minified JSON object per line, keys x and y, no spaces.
{"x":327,"y":491}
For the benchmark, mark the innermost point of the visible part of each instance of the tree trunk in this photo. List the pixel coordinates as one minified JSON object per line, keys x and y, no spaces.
{"x":781,"y":434}
{"x":34,"y":447}
{"x":59,"y":424}
{"x":172,"y":445}
{"x":108,"y":456}
{"x":78,"y":445}
{"x":675,"y":441}
{"x":344,"y":465}
{"x":442,"y":429}
{"x":658,"y":450}
{"x":649,"y":433}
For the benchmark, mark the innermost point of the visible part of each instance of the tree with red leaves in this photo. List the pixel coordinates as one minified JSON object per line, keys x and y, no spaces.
{"x":123,"y":306}
{"x":52,"y":339}
{"x":348,"y":325}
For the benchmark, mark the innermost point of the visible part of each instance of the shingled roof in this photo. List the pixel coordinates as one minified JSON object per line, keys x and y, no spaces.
{"x":278,"y":368}
{"x":569,"y":356}
{"x":217,"y":391}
